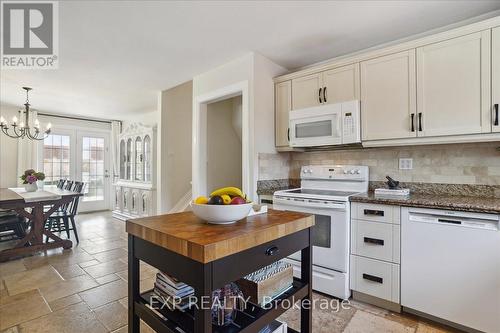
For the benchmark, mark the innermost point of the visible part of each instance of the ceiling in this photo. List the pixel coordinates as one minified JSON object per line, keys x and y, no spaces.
{"x":116,"y":55}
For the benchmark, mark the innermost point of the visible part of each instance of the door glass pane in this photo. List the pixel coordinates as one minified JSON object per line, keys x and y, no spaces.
{"x":56,"y":152}
{"x":129,"y":159}
{"x":147,"y":159}
{"x":138,"y":158}
{"x":93,"y":168}
{"x":314,"y":129}
{"x":322,"y":231}
{"x":123,"y":159}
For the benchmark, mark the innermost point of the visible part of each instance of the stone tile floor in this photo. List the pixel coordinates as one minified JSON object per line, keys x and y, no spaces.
{"x":85,"y":290}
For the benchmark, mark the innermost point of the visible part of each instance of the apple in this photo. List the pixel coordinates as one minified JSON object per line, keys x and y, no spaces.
{"x":238,"y":201}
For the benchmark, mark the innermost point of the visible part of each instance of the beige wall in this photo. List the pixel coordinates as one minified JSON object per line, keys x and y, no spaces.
{"x":451,"y":164}
{"x":224,"y":144}
{"x":174,"y":145}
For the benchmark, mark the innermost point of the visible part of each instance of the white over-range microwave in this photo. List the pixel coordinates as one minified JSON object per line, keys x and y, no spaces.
{"x":325,"y":125}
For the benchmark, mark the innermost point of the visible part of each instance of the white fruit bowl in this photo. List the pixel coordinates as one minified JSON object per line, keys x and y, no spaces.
{"x":221,"y":214}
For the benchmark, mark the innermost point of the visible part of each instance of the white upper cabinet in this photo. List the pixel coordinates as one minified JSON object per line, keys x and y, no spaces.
{"x":306,"y":91}
{"x":333,"y":86}
{"x":453,"y":86}
{"x":283,"y":105}
{"x":388,"y":97}
{"x":495,"y":79}
{"x":341,"y":84}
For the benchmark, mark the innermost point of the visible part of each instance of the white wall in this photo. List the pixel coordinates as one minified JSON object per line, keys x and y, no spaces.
{"x":224,"y":144}
{"x":174,"y":145}
{"x":8,"y":151}
{"x":258,"y":72}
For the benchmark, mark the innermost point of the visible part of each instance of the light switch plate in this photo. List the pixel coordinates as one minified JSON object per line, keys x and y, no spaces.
{"x":405,"y":163}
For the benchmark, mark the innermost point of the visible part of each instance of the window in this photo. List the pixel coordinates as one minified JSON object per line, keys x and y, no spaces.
{"x":56,"y":158}
{"x":93,"y":168}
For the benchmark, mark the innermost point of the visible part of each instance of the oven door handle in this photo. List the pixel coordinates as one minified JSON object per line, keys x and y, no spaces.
{"x":300,"y":206}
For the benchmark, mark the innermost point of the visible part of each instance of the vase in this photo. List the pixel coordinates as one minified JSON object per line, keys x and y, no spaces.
{"x":31,"y":187}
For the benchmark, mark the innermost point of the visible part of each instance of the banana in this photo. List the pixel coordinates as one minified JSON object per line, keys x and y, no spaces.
{"x":231,"y":191}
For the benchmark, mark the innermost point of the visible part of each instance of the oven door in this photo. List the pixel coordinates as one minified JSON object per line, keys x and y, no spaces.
{"x":330,"y":235}
{"x":315,"y":128}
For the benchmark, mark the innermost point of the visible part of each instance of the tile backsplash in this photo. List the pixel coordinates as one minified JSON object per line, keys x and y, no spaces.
{"x":477,"y":163}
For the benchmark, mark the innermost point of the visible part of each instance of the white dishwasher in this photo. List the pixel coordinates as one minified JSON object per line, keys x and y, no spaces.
{"x":450,"y":266}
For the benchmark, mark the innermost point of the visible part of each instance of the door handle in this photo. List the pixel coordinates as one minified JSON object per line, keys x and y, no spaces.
{"x":374,"y":212}
{"x":495,"y":123}
{"x":288,"y":134}
{"x":373,"y":241}
{"x":319,"y":95}
{"x":324,"y":94}
{"x":420,"y":121}
{"x":412,"y":122}
{"x":373,"y":278}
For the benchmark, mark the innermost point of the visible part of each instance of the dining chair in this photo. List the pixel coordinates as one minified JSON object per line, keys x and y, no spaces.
{"x":60,"y":183}
{"x":12,"y":226}
{"x":61,"y":220}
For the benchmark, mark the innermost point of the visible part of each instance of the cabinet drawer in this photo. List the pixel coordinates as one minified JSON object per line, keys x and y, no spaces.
{"x":376,"y":212}
{"x":233,"y":267}
{"x":375,"y":240}
{"x":375,"y":278}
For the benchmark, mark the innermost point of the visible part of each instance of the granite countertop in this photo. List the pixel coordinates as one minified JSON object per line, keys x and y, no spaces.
{"x":429,"y":200}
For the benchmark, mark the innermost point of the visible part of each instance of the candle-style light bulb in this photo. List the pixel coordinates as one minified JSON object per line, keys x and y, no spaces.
{"x":37,"y":123}
{"x":21,"y":124}
{"x":14,"y":120}
{"x":2,"y":120}
{"x":49,"y":125}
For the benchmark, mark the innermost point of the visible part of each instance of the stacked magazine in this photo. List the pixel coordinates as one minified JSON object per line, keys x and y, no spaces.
{"x":173,"y":293}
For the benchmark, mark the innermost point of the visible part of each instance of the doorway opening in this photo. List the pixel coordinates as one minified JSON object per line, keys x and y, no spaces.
{"x":224,"y":149}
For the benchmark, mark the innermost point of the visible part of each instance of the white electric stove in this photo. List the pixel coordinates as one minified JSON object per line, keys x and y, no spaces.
{"x":325,"y":192}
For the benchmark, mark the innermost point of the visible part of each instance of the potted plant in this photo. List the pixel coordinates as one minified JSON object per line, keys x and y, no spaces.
{"x":30,"y":177}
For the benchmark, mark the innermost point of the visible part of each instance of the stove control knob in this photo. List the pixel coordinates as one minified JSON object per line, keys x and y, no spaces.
{"x":346,"y":172}
{"x":352,"y":172}
{"x":357,"y":172}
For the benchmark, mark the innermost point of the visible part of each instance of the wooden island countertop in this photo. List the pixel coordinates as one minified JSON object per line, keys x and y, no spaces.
{"x":186,"y":234}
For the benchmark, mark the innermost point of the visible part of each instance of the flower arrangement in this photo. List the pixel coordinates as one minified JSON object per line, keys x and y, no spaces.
{"x":30,"y":176}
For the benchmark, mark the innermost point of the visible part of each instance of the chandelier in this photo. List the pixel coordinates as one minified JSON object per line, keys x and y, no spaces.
{"x":20,"y":130}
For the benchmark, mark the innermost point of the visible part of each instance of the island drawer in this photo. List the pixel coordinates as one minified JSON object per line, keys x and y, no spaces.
{"x":375,"y":212}
{"x":375,"y":240}
{"x":232,"y":267}
{"x":375,"y":278}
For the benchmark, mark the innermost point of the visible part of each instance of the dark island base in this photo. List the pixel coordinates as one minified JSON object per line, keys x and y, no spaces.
{"x":210,"y":276}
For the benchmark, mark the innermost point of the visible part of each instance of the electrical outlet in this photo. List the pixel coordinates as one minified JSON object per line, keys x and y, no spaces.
{"x":405,"y":163}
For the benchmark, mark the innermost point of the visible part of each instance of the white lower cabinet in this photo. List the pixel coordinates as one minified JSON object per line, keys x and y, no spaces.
{"x":375,"y":240}
{"x":375,"y":250}
{"x":133,"y":201}
{"x":375,"y":278}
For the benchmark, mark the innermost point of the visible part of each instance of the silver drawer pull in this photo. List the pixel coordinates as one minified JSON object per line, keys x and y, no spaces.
{"x":373,"y":278}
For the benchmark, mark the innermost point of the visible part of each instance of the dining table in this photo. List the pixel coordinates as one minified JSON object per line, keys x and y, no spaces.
{"x":36,"y":207}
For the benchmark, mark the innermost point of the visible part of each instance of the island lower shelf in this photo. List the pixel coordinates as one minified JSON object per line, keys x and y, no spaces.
{"x":252,"y":319}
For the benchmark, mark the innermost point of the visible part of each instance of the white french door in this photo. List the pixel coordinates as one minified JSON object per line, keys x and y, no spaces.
{"x":92,"y":167}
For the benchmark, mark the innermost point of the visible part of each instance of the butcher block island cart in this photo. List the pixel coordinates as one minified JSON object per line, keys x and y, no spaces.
{"x":207,"y":257}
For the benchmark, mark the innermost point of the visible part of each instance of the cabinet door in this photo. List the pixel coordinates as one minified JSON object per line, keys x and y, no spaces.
{"x":283,"y":105}
{"x":341,"y":84}
{"x":305,"y":91}
{"x":388,"y":96}
{"x":453,"y":86}
{"x":495,"y":80}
